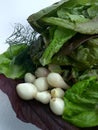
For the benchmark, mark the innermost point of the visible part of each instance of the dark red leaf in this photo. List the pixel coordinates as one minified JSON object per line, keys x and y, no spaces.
{"x":33,"y":111}
{"x":75,"y":42}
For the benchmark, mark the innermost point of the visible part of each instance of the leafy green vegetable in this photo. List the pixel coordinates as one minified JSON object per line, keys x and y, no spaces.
{"x":8,"y":65}
{"x":36,"y":50}
{"x":60,"y":37}
{"x":85,"y":27}
{"x":35,"y":19}
{"x":92,"y":11}
{"x":79,"y":53}
{"x":88,"y":73}
{"x":68,"y":17}
{"x":62,"y":22}
{"x":6,"y":62}
{"x":80,"y":16}
{"x":69,"y":37}
{"x":86,"y":55}
{"x":81,"y":103}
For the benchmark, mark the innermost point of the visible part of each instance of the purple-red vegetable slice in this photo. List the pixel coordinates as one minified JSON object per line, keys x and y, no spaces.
{"x":33,"y":111}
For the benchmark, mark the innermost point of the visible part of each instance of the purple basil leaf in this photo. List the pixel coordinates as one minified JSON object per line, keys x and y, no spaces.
{"x":33,"y":111}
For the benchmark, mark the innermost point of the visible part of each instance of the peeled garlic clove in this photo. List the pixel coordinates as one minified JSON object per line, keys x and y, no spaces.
{"x":41,"y":84}
{"x":26,"y":91}
{"x":57,"y":92}
{"x":29,"y":78}
{"x":55,"y":80}
{"x":43,"y":97}
{"x":41,"y":72}
{"x":57,"y":106}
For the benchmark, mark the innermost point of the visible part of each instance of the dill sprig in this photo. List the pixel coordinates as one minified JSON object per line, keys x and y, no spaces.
{"x":29,"y":57}
{"x":22,"y":34}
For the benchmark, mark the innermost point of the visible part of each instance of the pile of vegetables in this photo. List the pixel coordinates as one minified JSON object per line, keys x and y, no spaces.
{"x":64,"y":40}
{"x":47,"y":89}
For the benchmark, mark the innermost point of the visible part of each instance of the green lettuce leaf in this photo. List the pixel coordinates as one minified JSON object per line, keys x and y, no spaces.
{"x":85,"y":26}
{"x":7,"y":62}
{"x":78,"y":15}
{"x":86,"y":55}
{"x":81,"y":103}
{"x":80,"y":58}
{"x":35,"y":19}
{"x":60,"y":37}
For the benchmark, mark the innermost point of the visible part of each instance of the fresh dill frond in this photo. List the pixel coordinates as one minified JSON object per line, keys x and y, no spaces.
{"x":29,"y":56}
{"x":22,"y":34}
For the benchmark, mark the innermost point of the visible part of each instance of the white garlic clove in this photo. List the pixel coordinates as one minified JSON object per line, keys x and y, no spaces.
{"x":57,"y":92}
{"x":43,"y":97}
{"x":57,"y":106}
{"x":29,"y":78}
{"x":41,"y":84}
{"x":26,"y":91}
{"x":41,"y":72}
{"x":55,"y":80}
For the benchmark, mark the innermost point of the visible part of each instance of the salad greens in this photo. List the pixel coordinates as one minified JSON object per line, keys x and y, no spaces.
{"x":15,"y":62}
{"x":66,"y":33}
{"x":6,"y":62}
{"x":74,"y":15}
{"x":60,"y":37}
{"x":81,"y":103}
{"x":70,"y":30}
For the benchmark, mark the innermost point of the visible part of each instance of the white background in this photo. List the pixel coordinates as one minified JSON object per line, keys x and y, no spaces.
{"x":11,"y":12}
{"x":17,"y":11}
